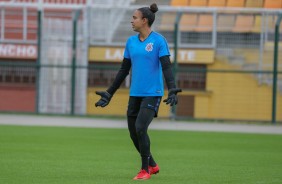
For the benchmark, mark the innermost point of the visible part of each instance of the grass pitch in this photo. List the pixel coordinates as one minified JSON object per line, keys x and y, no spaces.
{"x":64,"y":155}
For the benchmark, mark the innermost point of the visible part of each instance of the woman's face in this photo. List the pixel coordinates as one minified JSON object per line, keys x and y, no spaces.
{"x":137,"y":21}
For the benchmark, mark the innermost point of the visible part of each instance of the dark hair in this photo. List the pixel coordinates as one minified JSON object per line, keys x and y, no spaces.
{"x":149,"y":13}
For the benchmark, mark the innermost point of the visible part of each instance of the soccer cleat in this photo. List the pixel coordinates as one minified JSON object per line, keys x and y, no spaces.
{"x":154,"y":170}
{"x":142,"y":175}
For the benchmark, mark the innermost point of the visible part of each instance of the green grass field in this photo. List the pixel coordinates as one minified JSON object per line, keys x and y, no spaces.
{"x":106,"y":156}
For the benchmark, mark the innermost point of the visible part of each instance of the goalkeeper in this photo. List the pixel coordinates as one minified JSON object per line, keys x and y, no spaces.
{"x":147,"y":55}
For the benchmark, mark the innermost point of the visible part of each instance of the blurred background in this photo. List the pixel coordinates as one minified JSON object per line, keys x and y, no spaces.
{"x":54,"y":55}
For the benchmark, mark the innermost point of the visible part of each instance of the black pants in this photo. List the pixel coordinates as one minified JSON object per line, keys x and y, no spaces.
{"x":140,"y":113}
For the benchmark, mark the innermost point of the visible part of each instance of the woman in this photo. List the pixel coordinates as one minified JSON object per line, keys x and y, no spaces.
{"x":147,"y":55}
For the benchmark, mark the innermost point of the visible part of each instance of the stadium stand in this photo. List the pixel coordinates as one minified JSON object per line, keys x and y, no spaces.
{"x":198,"y":3}
{"x":243,"y":38}
{"x":20,"y":23}
{"x":167,"y":22}
{"x":237,"y":24}
{"x":235,"y":3}
{"x":273,"y":4}
{"x":257,"y":24}
{"x":229,"y":3}
{"x":205,"y":23}
{"x":179,"y":2}
{"x":217,"y":3}
{"x":188,"y":22}
{"x":254,"y":3}
{"x":244,"y":23}
{"x":225,"y":22}
{"x":15,"y":29}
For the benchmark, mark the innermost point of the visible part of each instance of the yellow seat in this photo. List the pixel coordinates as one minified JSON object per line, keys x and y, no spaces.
{"x":270,"y":22}
{"x":205,"y":23}
{"x":188,"y":22}
{"x":167,"y":22}
{"x":257,"y":24}
{"x":198,"y":2}
{"x":179,"y":2}
{"x":225,"y":22}
{"x":235,"y":3}
{"x":273,"y":4}
{"x":244,"y":23}
{"x":217,"y":3}
{"x":254,"y":3}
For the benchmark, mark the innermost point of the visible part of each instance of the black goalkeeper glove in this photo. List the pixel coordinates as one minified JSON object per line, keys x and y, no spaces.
{"x":172,"y":96}
{"x":105,"y":98}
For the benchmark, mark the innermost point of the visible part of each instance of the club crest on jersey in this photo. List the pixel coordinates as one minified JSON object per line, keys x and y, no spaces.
{"x":149,"y":47}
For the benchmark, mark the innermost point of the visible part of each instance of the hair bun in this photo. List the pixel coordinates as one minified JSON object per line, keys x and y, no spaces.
{"x":154,"y":8}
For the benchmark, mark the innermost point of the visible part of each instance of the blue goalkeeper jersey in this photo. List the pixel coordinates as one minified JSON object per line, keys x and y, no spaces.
{"x":146,"y":70}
